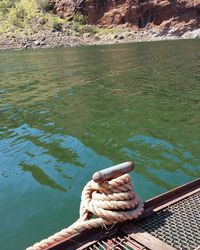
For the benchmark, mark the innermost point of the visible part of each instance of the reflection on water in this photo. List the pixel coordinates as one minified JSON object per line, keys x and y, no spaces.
{"x":66,"y":113}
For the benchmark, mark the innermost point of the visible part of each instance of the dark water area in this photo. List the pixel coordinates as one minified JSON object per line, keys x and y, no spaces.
{"x":65,"y":113}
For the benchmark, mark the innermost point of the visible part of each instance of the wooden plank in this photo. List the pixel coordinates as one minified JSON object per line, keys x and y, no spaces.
{"x":153,"y":205}
{"x":85,"y":239}
{"x":151,"y":242}
{"x":134,"y":244}
{"x":167,"y":204}
{"x":172,"y":194}
{"x":146,"y":239}
{"x":171,"y":197}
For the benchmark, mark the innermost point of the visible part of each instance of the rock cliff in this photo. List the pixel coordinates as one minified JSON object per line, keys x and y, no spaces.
{"x":139,"y":14}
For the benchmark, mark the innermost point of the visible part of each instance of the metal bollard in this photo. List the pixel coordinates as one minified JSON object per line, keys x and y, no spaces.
{"x":113,"y":172}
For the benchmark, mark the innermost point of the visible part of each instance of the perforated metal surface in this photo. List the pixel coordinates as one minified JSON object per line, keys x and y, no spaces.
{"x":178,"y":225}
{"x":120,"y":242}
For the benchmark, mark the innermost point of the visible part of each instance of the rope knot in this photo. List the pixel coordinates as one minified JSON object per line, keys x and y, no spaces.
{"x":113,"y":200}
{"x":109,"y":196}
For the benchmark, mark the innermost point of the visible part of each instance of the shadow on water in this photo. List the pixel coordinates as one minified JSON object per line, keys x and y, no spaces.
{"x":40,"y":176}
{"x":48,"y":157}
{"x":66,"y":113}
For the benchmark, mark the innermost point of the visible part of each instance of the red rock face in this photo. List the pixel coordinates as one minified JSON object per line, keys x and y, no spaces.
{"x":136,"y":13}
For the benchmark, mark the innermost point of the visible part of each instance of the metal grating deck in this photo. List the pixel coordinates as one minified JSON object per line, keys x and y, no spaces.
{"x":120,"y":242}
{"x":178,"y":225}
{"x":170,"y":221}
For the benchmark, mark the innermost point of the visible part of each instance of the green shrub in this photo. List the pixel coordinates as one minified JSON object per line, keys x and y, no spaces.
{"x":27,"y":15}
{"x":57,"y":25}
{"x":20,"y":14}
{"x":53,"y":22}
{"x":84,"y":28}
{"x":45,"y":5}
{"x":89,"y":29}
{"x":5,"y":6}
{"x":80,"y":19}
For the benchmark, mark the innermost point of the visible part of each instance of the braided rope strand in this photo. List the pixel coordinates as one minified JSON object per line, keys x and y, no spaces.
{"x":111,"y":201}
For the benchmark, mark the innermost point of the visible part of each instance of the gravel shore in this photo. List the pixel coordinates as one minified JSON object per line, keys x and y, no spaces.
{"x":54,"y":39}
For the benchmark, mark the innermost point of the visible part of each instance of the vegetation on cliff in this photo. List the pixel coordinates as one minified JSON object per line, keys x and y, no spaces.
{"x":27,"y":16}
{"x":33,"y":15}
{"x":34,"y":23}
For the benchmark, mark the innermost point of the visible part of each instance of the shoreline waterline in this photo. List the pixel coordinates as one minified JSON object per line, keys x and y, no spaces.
{"x":62,"y":40}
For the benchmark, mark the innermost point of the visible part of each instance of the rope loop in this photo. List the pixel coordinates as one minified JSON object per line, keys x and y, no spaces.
{"x":110,"y":201}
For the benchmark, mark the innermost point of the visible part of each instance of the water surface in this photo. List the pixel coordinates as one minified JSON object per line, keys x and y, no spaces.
{"x":65,"y":113}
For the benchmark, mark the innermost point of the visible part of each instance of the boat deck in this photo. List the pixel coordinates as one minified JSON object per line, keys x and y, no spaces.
{"x":170,"y":221}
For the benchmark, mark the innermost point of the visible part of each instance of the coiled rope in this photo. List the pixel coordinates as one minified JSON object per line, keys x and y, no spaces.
{"x":111,"y":201}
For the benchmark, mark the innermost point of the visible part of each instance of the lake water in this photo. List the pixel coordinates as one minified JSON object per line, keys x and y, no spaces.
{"x":65,"y":113}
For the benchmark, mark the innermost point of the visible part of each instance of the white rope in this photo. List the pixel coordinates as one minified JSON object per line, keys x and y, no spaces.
{"x":111,"y":201}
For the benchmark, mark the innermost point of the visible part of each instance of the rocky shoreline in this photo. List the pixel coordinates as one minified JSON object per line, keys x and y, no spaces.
{"x":55,"y":39}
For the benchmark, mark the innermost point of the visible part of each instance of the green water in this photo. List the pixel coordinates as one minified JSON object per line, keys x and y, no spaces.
{"x":65,"y":113}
